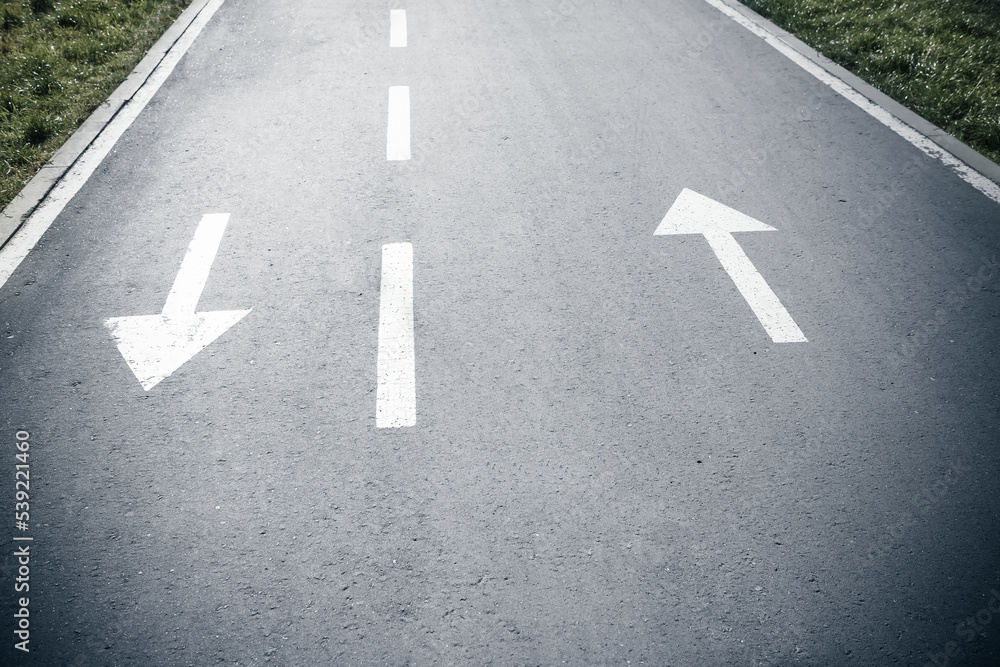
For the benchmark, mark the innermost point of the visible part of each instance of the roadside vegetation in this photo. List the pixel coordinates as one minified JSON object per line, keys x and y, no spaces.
{"x":940,"y":58}
{"x":58,"y":61}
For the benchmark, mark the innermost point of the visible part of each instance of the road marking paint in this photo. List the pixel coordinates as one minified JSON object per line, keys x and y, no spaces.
{"x":693,"y":213}
{"x":765,"y":304}
{"x":397,"y":27}
{"x":931,"y":149}
{"x":197,"y":262}
{"x":396,"y":398}
{"x":397,"y":144}
{"x":35,"y":226}
{"x":154,"y":346}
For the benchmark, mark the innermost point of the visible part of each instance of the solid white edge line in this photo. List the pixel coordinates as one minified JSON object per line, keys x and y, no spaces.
{"x":926,"y":145}
{"x":397,"y":28}
{"x":18,"y":247}
{"x":397,"y":137}
{"x":396,"y":395}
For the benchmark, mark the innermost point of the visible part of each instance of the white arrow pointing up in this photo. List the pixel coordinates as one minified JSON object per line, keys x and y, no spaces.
{"x":156,"y":345}
{"x":693,"y":213}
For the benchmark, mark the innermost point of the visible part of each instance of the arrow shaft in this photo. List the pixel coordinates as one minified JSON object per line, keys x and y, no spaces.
{"x":765,"y":304}
{"x":197,"y":263}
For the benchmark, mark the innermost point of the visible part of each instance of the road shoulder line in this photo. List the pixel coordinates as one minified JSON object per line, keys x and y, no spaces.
{"x":985,"y":175}
{"x":30,"y":198}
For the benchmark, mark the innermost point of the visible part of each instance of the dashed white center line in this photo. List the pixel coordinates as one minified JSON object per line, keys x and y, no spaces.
{"x":397,"y":27}
{"x":397,"y":143}
{"x":763,"y":301}
{"x":396,"y":397}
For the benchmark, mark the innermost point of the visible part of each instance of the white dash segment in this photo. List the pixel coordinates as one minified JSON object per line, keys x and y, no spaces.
{"x":397,"y":143}
{"x":396,"y":397}
{"x":397,"y":27}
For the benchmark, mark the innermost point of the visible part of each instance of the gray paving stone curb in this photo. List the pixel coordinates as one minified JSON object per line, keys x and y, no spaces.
{"x":962,"y":151}
{"x":34,"y":193}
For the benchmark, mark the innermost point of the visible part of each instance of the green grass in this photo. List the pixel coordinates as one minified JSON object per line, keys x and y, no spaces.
{"x":58,"y":62}
{"x":940,"y":58}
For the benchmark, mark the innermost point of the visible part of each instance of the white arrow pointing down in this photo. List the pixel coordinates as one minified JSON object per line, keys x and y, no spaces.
{"x":156,"y":345}
{"x":693,"y":213}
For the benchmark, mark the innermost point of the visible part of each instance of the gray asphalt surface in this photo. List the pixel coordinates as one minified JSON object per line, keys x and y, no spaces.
{"x":612,"y":462}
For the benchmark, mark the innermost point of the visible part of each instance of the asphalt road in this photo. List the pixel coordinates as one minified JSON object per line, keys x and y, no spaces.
{"x":612,"y":460}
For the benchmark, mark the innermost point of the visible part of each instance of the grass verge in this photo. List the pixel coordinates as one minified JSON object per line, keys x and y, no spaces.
{"x":940,"y":58}
{"x":58,"y":62}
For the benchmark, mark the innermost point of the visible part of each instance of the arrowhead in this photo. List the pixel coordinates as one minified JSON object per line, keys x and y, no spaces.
{"x":156,"y":345}
{"x":693,"y":213}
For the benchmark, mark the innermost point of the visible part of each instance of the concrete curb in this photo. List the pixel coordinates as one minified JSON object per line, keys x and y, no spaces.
{"x":960,"y":150}
{"x":34,"y":193}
